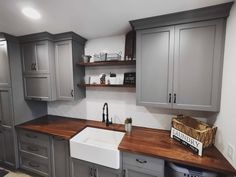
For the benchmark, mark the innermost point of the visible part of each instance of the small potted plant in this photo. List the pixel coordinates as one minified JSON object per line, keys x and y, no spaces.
{"x":128,"y":125}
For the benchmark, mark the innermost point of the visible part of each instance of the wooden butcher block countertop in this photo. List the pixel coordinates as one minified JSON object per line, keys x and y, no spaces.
{"x":151,"y":142}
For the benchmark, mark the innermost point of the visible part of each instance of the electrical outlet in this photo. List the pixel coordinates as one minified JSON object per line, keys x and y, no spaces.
{"x":230,"y":151}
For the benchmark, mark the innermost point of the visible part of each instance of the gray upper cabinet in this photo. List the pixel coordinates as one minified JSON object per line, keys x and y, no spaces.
{"x":38,"y":67}
{"x":180,"y":66}
{"x":198,"y":65}
{"x":69,"y":48}
{"x":4,"y":66}
{"x":64,"y":70}
{"x":38,"y":87}
{"x":155,"y":66}
{"x":36,"y":57}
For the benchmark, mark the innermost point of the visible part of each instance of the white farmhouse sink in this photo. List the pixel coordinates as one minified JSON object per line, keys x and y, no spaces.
{"x":98,"y":146}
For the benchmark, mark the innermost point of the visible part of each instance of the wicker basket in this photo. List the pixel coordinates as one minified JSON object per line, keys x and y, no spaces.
{"x":196,"y":129}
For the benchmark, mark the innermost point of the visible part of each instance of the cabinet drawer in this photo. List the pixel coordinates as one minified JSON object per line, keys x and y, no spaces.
{"x":35,"y":149}
{"x":34,"y":138}
{"x":144,"y":162}
{"x":38,"y":165}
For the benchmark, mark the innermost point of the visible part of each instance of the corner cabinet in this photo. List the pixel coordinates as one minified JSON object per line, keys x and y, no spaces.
{"x":68,"y":75}
{"x":180,"y":66}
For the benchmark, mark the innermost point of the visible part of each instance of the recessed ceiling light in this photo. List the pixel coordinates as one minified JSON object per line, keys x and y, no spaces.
{"x":31,"y":13}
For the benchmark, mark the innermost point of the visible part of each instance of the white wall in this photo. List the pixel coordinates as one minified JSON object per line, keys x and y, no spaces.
{"x":226,"y":119}
{"x":122,"y":101}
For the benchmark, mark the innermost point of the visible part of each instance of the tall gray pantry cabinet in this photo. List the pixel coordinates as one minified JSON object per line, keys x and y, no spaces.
{"x":180,"y":59}
{"x":13,"y":108}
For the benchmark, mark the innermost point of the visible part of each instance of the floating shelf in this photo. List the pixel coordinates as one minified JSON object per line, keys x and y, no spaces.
{"x":108,"y":63}
{"x":103,"y":85}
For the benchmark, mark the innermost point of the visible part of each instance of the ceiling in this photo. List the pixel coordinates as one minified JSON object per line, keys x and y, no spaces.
{"x":89,"y":18}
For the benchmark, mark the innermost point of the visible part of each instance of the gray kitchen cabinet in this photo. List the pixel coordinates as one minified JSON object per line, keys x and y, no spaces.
{"x":61,"y":158}
{"x":101,"y":171}
{"x":142,"y":166}
{"x":14,"y":109}
{"x":198,"y":65}
{"x":64,"y":70}
{"x":155,"y":49}
{"x":43,"y":154}
{"x":6,"y":107}
{"x":68,"y":75}
{"x":181,"y":66}
{"x":37,"y":57}
{"x":8,"y":145}
{"x":86,"y":169}
{"x":38,"y":67}
{"x":180,"y":58}
{"x":5,"y":80}
{"x":82,"y":169}
{"x":39,"y":87}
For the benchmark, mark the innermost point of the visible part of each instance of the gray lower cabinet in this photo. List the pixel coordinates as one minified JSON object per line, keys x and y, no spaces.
{"x":5,"y":80}
{"x":35,"y":152}
{"x":43,"y":154}
{"x":68,"y":74}
{"x":7,"y":154}
{"x":142,"y":166}
{"x":181,"y":66}
{"x":85,"y":169}
{"x":8,"y":151}
{"x":61,"y":158}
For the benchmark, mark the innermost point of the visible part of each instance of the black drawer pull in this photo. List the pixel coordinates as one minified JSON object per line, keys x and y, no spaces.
{"x":31,"y":136}
{"x":141,"y":161}
{"x":175,"y":98}
{"x":34,"y":165}
{"x":33,"y":149}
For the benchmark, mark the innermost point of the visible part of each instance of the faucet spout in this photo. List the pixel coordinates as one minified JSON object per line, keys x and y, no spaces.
{"x":105,"y":115}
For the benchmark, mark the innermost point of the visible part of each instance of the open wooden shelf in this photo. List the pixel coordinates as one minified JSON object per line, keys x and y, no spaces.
{"x":103,"y":85}
{"x":108,"y":63}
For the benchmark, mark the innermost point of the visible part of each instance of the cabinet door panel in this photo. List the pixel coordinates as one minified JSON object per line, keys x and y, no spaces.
{"x":81,"y":169}
{"x":37,"y":87}
{"x":6,"y":112}
{"x":29,"y":59}
{"x":133,"y":173}
{"x":155,"y":66}
{"x":9,"y":151}
{"x":61,"y":158}
{"x":42,"y":57}
{"x":107,"y":172}
{"x":64,"y":70}
{"x":4,"y":66}
{"x":197,"y":65}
